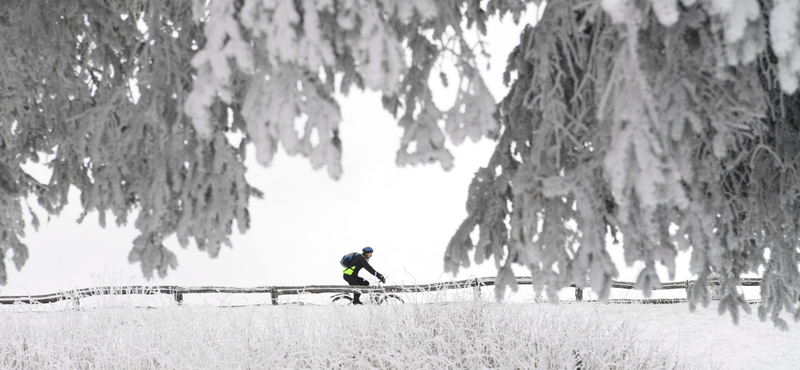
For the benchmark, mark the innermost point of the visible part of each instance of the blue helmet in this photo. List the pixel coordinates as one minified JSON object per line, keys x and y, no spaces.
{"x":367,"y":250}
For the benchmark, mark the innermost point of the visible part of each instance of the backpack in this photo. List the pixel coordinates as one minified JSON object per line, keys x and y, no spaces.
{"x":347,"y":259}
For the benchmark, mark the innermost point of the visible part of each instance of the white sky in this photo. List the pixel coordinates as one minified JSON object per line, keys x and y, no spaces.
{"x":306,"y":221}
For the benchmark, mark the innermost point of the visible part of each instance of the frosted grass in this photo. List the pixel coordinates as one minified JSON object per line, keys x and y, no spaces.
{"x":460,"y":335}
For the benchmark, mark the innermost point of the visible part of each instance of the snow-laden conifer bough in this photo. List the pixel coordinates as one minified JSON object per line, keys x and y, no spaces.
{"x":671,"y":125}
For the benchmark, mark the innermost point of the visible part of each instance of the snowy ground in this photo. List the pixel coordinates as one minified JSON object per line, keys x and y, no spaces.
{"x":435,"y":335}
{"x":751,"y":344}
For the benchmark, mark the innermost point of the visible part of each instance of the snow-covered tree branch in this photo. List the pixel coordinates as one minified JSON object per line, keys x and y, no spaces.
{"x":671,"y":125}
{"x":131,"y":101}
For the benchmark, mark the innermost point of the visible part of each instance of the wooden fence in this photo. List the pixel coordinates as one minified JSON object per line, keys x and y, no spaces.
{"x":275,"y":291}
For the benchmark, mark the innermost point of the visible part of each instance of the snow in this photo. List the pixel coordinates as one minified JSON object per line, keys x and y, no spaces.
{"x":379,"y":53}
{"x":449,"y":330}
{"x":737,"y":18}
{"x":618,"y":10}
{"x":666,"y":11}
{"x":223,"y":41}
{"x":783,"y":27}
{"x":751,"y":344}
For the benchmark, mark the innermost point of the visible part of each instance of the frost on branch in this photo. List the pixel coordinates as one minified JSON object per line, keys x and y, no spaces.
{"x":378,"y":50}
{"x":131,"y":102}
{"x":366,"y":43}
{"x":655,"y":129}
{"x":223,"y":42}
{"x":473,"y":114}
{"x":785,"y":40}
{"x":274,"y":102}
{"x":74,"y":109}
{"x":740,"y":23}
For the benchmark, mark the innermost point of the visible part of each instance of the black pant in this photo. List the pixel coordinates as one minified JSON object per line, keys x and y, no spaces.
{"x":355,"y":280}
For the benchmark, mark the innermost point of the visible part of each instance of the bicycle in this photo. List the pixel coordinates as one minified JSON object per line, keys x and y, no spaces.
{"x":375,"y":297}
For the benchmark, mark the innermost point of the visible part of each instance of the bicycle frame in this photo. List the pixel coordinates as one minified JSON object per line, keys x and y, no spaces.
{"x":375,"y":297}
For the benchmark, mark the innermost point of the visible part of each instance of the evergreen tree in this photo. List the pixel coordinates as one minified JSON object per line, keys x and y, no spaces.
{"x":671,"y":125}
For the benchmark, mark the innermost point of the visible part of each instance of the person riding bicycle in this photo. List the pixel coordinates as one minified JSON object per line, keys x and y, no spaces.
{"x":351,"y":272}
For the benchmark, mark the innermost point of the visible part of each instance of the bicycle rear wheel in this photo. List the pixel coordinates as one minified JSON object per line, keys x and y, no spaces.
{"x":391,"y":300}
{"x":342,"y":300}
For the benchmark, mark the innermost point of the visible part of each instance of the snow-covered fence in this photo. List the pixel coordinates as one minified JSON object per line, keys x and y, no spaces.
{"x":275,"y":291}
{"x":664,"y":286}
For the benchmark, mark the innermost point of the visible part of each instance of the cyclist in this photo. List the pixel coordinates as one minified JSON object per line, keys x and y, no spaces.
{"x":351,"y":273}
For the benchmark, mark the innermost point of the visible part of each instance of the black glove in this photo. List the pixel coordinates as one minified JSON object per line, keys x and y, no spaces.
{"x":380,"y":277}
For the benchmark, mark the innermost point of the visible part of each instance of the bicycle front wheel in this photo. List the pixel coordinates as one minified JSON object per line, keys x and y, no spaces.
{"x":391,"y":300}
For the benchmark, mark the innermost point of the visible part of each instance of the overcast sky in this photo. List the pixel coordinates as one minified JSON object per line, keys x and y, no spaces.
{"x":306,"y":221}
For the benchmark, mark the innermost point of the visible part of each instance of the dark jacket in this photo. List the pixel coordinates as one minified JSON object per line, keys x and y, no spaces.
{"x":360,"y":262}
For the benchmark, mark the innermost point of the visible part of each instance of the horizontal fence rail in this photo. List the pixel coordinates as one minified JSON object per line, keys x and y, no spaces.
{"x":275,"y":291}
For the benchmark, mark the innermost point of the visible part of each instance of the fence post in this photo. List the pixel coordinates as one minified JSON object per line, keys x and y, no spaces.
{"x":477,"y":288}
{"x":274,"y":294}
{"x":578,"y":294}
{"x":76,"y":300}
